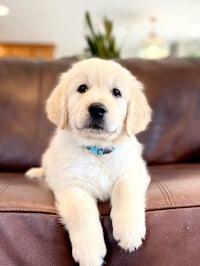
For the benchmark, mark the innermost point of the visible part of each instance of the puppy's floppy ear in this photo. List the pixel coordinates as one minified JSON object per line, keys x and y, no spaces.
{"x":139,"y":111}
{"x":56,"y":104}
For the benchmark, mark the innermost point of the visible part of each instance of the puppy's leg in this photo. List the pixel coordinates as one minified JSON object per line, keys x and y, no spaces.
{"x":79,"y":214}
{"x":35,"y":172}
{"x":128,"y":212}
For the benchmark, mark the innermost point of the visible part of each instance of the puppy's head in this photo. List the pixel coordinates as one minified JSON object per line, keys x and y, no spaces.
{"x":99,"y":99}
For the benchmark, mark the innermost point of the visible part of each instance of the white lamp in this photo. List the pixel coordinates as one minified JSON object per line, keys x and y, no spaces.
{"x":153,"y":47}
{"x":4,"y":10}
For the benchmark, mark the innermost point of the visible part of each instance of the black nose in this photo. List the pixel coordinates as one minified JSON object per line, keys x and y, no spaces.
{"x":97,"y":110}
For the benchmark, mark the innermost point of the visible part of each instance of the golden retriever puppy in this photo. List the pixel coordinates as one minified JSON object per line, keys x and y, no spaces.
{"x":98,"y":107}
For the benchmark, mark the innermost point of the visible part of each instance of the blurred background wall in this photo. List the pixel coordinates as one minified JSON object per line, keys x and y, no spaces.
{"x":153,"y":28}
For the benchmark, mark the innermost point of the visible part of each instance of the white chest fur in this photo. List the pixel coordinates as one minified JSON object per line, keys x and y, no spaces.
{"x":69,"y":165}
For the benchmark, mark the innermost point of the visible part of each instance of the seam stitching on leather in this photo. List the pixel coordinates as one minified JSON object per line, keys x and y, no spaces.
{"x":168,"y":192}
{"x":4,"y":187}
{"x":173,"y":208}
{"x":29,"y":211}
{"x":164,"y":193}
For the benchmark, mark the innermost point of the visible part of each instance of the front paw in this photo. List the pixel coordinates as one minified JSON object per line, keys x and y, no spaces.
{"x":128,"y":230}
{"x":89,"y":252}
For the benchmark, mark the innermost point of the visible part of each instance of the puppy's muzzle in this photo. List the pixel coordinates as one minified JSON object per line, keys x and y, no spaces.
{"x":97,"y":110}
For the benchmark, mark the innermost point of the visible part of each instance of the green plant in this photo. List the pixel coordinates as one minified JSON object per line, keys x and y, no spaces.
{"x":101,"y":45}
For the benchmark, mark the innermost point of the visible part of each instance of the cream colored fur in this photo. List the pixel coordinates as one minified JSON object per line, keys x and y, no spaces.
{"x":79,"y":177}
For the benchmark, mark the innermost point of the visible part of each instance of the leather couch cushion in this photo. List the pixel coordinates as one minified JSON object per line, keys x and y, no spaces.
{"x":31,"y":233}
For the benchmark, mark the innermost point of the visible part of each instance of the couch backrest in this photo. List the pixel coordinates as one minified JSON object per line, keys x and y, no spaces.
{"x":24,"y":128}
{"x":172,"y":87}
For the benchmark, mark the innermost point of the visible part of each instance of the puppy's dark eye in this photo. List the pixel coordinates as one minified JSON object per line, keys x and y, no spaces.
{"x":116,"y":92}
{"x":82,"y":88}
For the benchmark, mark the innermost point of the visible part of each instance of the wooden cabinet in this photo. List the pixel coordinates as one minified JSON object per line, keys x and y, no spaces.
{"x":29,"y":50}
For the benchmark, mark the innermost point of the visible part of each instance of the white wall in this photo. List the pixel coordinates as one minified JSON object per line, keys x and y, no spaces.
{"x":62,"y":22}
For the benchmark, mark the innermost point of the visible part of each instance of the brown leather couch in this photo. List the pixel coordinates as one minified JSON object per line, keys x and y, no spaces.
{"x":30,"y":232}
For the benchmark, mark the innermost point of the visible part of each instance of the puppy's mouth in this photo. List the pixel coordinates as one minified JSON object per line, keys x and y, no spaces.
{"x":96,"y":124}
{"x":96,"y":127}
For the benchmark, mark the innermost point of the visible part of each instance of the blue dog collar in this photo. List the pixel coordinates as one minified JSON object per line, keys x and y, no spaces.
{"x":100,"y":151}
